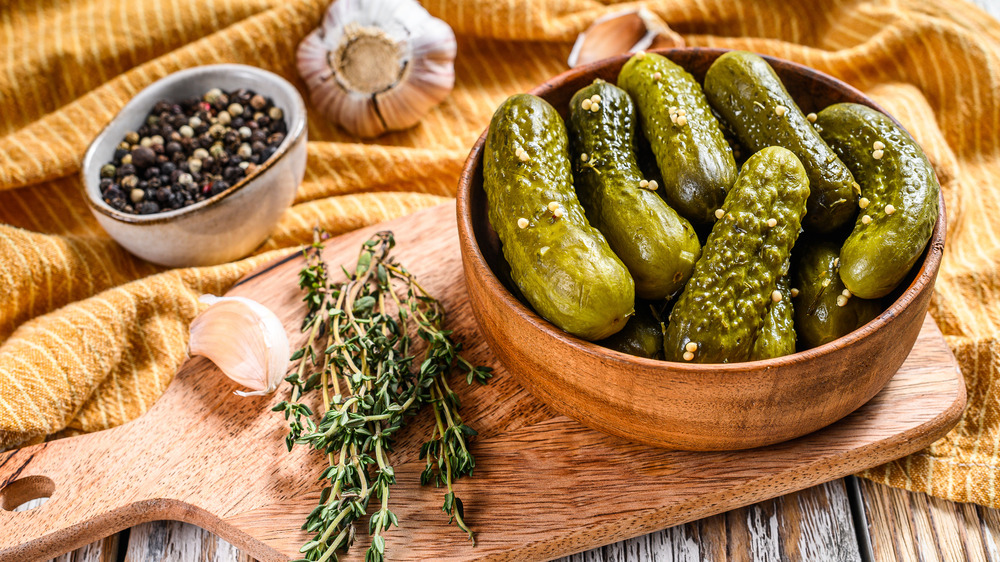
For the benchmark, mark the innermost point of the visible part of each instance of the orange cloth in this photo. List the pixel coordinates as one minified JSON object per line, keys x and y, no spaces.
{"x":91,"y":336}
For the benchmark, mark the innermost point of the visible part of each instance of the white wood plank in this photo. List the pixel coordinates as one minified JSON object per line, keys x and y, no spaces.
{"x":813,"y":524}
{"x":172,"y":541}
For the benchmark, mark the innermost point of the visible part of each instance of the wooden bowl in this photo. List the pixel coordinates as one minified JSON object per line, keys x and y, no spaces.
{"x":675,"y":405}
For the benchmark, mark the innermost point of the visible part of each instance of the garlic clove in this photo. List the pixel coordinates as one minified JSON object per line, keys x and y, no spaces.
{"x":622,"y":32}
{"x":378,"y":65}
{"x":244,"y":339}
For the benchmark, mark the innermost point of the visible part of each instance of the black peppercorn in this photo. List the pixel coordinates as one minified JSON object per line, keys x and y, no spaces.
{"x":143,"y":156}
{"x":125,"y":170}
{"x":219,"y":186}
{"x":232,"y":174}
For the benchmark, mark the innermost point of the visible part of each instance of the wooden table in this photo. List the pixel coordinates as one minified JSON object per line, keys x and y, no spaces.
{"x":844,"y":520}
{"x":847,"y":519}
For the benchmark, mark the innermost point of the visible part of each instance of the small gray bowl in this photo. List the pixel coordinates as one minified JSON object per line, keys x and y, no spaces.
{"x":229,"y":225}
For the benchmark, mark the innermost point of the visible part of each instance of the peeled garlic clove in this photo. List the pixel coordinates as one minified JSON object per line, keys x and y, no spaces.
{"x":378,"y":65}
{"x":244,"y":339}
{"x":622,"y":32}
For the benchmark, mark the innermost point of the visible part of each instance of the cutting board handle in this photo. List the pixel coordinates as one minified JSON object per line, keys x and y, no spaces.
{"x":66,"y":471}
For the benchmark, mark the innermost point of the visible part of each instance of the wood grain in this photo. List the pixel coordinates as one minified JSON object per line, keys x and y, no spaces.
{"x":814,"y":524}
{"x":914,"y":526}
{"x":173,"y":541}
{"x":679,"y":404}
{"x":206,"y":457}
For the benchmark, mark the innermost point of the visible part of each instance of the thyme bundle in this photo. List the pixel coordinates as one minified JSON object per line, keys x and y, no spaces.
{"x":373,"y":375}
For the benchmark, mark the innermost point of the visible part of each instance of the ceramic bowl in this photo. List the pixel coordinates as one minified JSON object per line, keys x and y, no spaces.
{"x":674,"y":405}
{"x":229,"y":225}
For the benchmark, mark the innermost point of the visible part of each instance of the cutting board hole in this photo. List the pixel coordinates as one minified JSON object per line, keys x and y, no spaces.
{"x":26,"y":493}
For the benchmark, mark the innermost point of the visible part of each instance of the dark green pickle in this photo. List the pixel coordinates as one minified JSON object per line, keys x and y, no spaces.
{"x":744,"y":89}
{"x":823,"y":311}
{"x":658,"y":246}
{"x":642,"y":336}
{"x":777,"y":334}
{"x":900,"y":197}
{"x":562,"y":265}
{"x":719,"y":314}
{"x":691,"y":152}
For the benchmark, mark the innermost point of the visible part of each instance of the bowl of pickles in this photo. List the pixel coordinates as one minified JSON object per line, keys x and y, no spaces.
{"x":699,"y":249}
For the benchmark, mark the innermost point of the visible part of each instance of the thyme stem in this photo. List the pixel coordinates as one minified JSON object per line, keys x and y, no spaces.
{"x":368,"y":323}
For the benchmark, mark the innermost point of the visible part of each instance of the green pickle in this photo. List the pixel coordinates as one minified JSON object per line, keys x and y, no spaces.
{"x":642,"y":336}
{"x":744,"y":89}
{"x":777,"y":334}
{"x":658,"y":246}
{"x":823,"y":310}
{"x":900,"y":197}
{"x":562,"y":265}
{"x":691,"y":152}
{"x":720,"y":312}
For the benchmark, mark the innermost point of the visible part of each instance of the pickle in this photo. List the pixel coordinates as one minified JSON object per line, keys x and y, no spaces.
{"x":642,"y":336}
{"x":900,"y":194}
{"x":823,"y":311}
{"x":562,"y":265}
{"x":719,"y":314}
{"x":777,"y":334}
{"x":693,"y":156}
{"x":750,"y":97}
{"x":658,"y":246}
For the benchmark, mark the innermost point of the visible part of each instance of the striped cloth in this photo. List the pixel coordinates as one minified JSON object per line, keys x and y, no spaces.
{"x":91,"y":336}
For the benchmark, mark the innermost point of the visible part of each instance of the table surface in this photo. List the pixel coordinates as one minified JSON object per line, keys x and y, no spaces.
{"x":844,"y":520}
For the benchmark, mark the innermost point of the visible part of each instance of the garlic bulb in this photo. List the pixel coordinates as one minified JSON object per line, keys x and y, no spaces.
{"x":244,"y":339}
{"x":378,"y":65}
{"x":623,"y":32}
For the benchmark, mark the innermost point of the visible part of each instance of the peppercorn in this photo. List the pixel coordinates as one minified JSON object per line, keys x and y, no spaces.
{"x":125,"y":170}
{"x":189,"y":151}
{"x":143,"y":157}
{"x":232,"y":174}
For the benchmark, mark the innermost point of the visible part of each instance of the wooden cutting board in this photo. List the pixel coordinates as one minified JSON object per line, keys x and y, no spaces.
{"x":544,"y":485}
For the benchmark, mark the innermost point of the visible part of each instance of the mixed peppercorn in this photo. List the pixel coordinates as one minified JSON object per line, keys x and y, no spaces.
{"x":189,"y":151}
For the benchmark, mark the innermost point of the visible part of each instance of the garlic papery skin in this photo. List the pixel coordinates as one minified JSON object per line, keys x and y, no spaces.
{"x":623,"y":32}
{"x":375,"y":66}
{"x":244,"y":339}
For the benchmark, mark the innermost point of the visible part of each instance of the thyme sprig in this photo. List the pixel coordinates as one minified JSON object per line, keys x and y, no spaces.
{"x":361,"y":355}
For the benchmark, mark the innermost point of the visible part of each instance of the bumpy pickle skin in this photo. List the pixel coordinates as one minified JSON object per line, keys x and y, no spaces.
{"x":720,"y":312}
{"x":747,"y":93}
{"x":776,"y":337}
{"x":562,"y":265}
{"x":883,"y":247}
{"x":642,"y":336}
{"x":691,"y":152}
{"x":823,"y":312}
{"x":658,"y":246}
